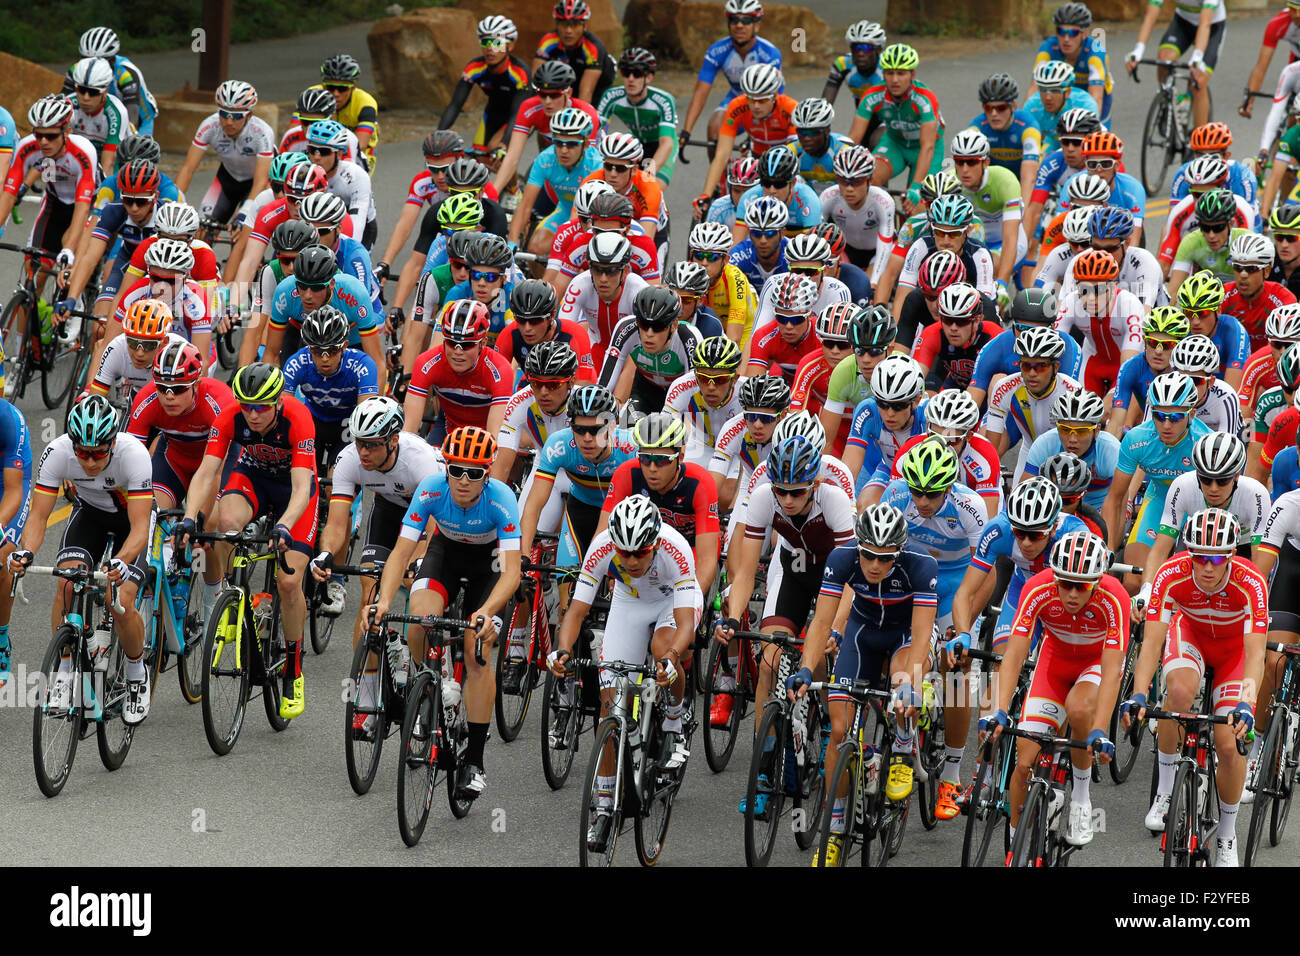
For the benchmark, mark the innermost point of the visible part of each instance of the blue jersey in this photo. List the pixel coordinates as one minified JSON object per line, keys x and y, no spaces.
{"x":1091,"y":68}
{"x":128,"y":86}
{"x":879,"y":444}
{"x":744,"y":257}
{"x":588,"y":481}
{"x":844,"y":70}
{"x":998,"y":357}
{"x":1286,"y":472}
{"x":708,"y":323}
{"x":1233,"y":343}
{"x":492,"y":519}
{"x":722,"y":56}
{"x":8,"y":132}
{"x":561,"y":184}
{"x":1021,"y":140}
{"x":1051,"y":171}
{"x":1134,"y":379}
{"x":497,"y":308}
{"x":1125,"y":192}
{"x":16,"y":452}
{"x":1241,"y":182}
{"x":350,"y":297}
{"x":912,"y":581}
{"x":1142,"y":448}
{"x":999,"y":541}
{"x":859,"y":285}
{"x":950,"y":533}
{"x":805,"y":208}
{"x":1101,"y":459}
{"x":354,"y":260}
{"x":1076,"y":100}
{"x":817,"y":169}
{"x":119,"y":231}
{"x":332,"y":399}
{"x":722,"y":210}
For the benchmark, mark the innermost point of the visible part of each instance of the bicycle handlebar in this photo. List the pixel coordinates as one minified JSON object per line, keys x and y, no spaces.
{"x":1047,"y":741}
{"x":1285,"y":648}
{"x":1189,"y":718}
{"x":974,"y":653}
{"x":71,"y":574}
{"x":688,"y":141}
{"x":1118,"y":568}
{"x":779,"y":638}
{"x":856,"y":688}
{"x":1172,"y":65}
{"x":432,"y":621}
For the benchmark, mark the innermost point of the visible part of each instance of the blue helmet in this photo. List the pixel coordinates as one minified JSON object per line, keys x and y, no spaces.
{"x":328,"y":133}
{"x":794,"y":460}
{"x":1111,"y":222}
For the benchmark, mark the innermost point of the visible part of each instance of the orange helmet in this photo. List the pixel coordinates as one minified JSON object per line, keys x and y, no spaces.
{"x":470,"y":445}
{"x":1212,"y":136}
{"x":1094,"y":265}
{"x":1103,"y":143}
{"x":148,"y":319}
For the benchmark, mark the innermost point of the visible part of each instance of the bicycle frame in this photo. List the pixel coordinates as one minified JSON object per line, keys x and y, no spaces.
{"x":633,"y":702}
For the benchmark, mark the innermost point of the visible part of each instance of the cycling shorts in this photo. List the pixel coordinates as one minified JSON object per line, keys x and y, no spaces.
{"x":113,"y":281}
{"x":1060,"y":667}
{"x":451,"y":568}
{"x":637,"y":621}
{"x":1181,"y":35}
{"x":791,"y":594}
{"x":86,"y":537}
{"x":899,"y":154}
{"x":224,"y":196}
{"x":576,"y":531}
{"x":1099,"y":377}
{"x":1284,"y":592}
{"x":949,"y":582}
{"x":329,"y":442}
{"x":174,"y":481}
{"x":269,"y":495}
{"x":1147,"y":522}
{"x":382,"y":530}
{"x":52,"y":221}
{"x":1186,"y":647}
{"x":864,"y":654}
{"x":994,"y":243}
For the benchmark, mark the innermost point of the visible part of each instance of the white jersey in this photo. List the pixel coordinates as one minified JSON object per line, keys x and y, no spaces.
{"x":238,"y":156}
{"x":1139,"y":275}
{"x":115,"y":365}
{"x":1221,"y":410}
{"x":704,"y":423}
{"x":918,"y":250}
{"x":1123,"y":325}
{"x":110,"y":123}
{"x":65,"y":174}
{"x":736,"y":454}
{"x":263,"y":292}
{"x":1250,"y":503}
{"x":1283,"y":524}
{"x":1288,"y":85}
{"x":1054,"y":268}
{"x":827,"y":525}
{"x":1190,"y":10}
{"x":191,"y":310}
{"x":414,"y":460}
{"x":670,"y":579}
{"x":1013,"y":410}
{"x":128,"y":474}
{"x":525,"y":425}
{"x":351,"y":183}
{"x":832,"y":291}
{"x":582,"y":305}
{"x":870,"y":226}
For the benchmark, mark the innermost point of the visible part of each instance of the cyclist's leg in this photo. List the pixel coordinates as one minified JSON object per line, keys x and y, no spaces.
{"x":890,"y":160}
{"x":1201,"y":94}
{"x":539,"y":244}
{"x":790,"y":596}
{"x":232,"y":194}
{"x":1183,"y":667}
{"x":1044,"y":712}
{"x":1229,"y":665}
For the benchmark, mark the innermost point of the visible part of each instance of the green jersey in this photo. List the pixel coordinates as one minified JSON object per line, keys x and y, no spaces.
{"x":847,"y":387}
{"x":1194,"y":254}
{"x":996,"y":199}
{"x":902,"y":119}
{"x":655,"y":116}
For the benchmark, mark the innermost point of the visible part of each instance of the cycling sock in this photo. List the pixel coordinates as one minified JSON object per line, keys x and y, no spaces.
{"x":293,"y":663}
{"x":477,"y":738}
{"x":604,"y":791}
{"x":837,"y":814}
{"x":1082,"y":780}
{"x":1167,"y":764}
{"x":210,"y":592}
{"x":673,"y":718}
{"x":1227,"y":820}
{"x":135,"y":669}
{"x":951,"y":765}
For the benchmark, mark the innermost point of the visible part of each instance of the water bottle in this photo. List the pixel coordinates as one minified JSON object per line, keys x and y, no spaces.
{"x":927,"y":704}
{"x":97,"y":648}
{"x":45,"y":312}
{"x":89,"y":699}
{"x":180,"y":591}
{"x":634,"y":740}
{"x":450,"y":693}
{"x":1055,"y":804}
{"x":399,"y":658}
{"x":872,"y":760}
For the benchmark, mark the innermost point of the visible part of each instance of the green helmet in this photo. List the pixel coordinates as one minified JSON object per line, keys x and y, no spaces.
{"x":1215,"y":205}
{"x":659,"y":430}
{"x":1201,"y":291}
{"x":284,"y":162}
{"x":1167,"y":320}
{"x":460,"y":211}
{"x":1288,"y":367}
{"x":718,"y":353}
{"x":258,"y":384}
{"x":939,"y":184}
{"x":899,"y":56}
{"x":92,"y":422}
{"x":930,"y":465}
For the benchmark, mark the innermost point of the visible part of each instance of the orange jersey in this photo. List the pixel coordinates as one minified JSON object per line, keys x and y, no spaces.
{"x":778,"y":128}
{"x":645,"y":193}
{"x":1053,"y":235}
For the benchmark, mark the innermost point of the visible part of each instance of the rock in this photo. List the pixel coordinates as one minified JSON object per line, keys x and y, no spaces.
{"x":653,"y":24}
{"x":973,"y":18}
{"x":1123,"y":9}
{"x":682,"y":30}
{"x":536,"y":17}
{"x":22,"y":83}
{"x":418,"y":57}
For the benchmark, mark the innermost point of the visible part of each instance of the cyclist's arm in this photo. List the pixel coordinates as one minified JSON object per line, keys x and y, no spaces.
{"x":11,"y":502}
{"x":1153,"y":646}
{"x":1144,"y":31}
{"x":1277,"y":172}
{"x":34,"y":531}
{"x":300,"y":480}
{"x":696,"y":106}
{"x":249,"y":261}
{"x":1200,"y":43}
{"x":87,"y":262}
{"x":337,"y":525}
{"x":1159,"y":554}
{"x":1112,"y":512}
{"x":458,"y":97}
{"x":395,"y":569}
{"x":819,"y":629}
{"x":745,"y":552}
{"x":523,"y":211}
{"x":706,"y":558}
{"x":721,"y":156}
{"x":202,"y":486}
{"x":925,"y":156}
{"x":1112,"y":664}
{"x":510,"y":165}
{"x":72,"y":238}
{"x":972,"y":594}
{"x":1256,"y":78}
{"x":192,"y":159}
{"x":138,"y":509}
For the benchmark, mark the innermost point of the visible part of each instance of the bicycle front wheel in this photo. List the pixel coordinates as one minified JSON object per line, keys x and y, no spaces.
{"x":811,"y":807}
{"x":417,"y":761}
{"x":1180,"y":823}
{"x":651,"y":824}
{"x":320,"y":625}
{"x":111,"y":733}
{"x":1028,"y":848}
{"x":13,"y":337}
{"x":1267,"y":779}
{"x":273,"y":686}
{"x":512,"y":706}
{"x":1126,"y":748}
{"x":225,"y":678}
{"x":365,"y":742}
{"x":1289,"y":761}
{"x":190,"y":671}
{"x":61,"y":371}
{"x":592,"y":854}
{"x":560,"y":724}
{"x":720,"y":739}
{"x":848,"y":762}
{"x":1156,"y":142}
{"x":57,"y":718}
{"x":767,"y":776}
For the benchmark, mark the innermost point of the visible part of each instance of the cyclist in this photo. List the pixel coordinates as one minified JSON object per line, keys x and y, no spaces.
{"x":808,"y":255}
{"x":872,"y":335}
{"x":98,"y":115}
{"x":533,"y":305}
{"x":781,"y":344}
{"x":15,"y":505}
{"x":859,"y":67}
{"x":995,"y":196}
{"x":1216,"y":139}
{"x":813,"y":373}
{"x":1251,"y":298}
{"x":757,"y":257}
{"x":622,"y":155}
{"x":1109,"y":317}
{"x":916,"y":226}
{"x":1102,"y":152}
{"x":1276,"y":462}
{"x":1284,"y":224}
{"x":326,"y":142}
{"x":1031,"y":308}
{"x":649,"y":112}
{"x":133,"y":146}
{"x":1139,"y":273}
{"x":947,"y":349}
{"x":816,"y":145}
{"x":951,"y":219}
{"x":608,"y":212}
{"x":865,"y":212}
{"x":939,"y":270}
{"x":580,"y":222}
{"x":690,"y":281}
{"x":128,"y":83}
{"x":603,"y":295}
{"x":731,"y":56}
{"x":169,"y":264}
{"x":1200,"y":298}
{"x":128,"y":359}
{"x":649,"y":350}
{"x":502,"y":77}
{"x":288,"y":239}
{"x":1201,"y":601}
{"x":553,"y":81}
{"x":570,"y":42}
{"x":1217,"y":402}
{"x":1284,"y":25}
{"x":1077,"y":419}
{"x":1072,"y":128}
{"x":325,"y":213}
{"x":1014,"y":136}
{"x":353,"y":107}
{"x":314,"y":104}
{"x":1268,"y":388}
{"x":778,"y":177}
{"x":1198,"y":25}
{"x":742,"y":174}
{"x":1086,"y":53}
{"x":745,"y":439}
{"x":559,"y":169}
{"x":244,"y":144}
{"x":471,"y":382}
{"x":884,"y":422}
{"x":1021,"y":405}
{"x":1056,"y":95}
{"x":492,"y":275}
{"x":1084,"y":191}
{"x":1220,"y":218}
{"x":110,"y":471}
{"x":707,"y":397}
{"x":300,"y":181}
{"x":317,"y":281}
{"x":1073,"y":477}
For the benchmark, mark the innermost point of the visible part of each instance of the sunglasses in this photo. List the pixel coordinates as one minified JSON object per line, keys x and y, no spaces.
{"x":90,"y":91}
{"x":531,"y":319}
{"x":809,"y":132}
{"x":687,"y":297}
{"x":807,"y":270}
{"x":955,"y":322}
{"x":319,"y":150}
{"x":854,"y":183}
{"x":606,"y":270}
{"x":1099,"y":163}
{"x":286,"y":262}
{"x":551,"y":95}
{"x":1214,"y":560}
{"x":657,"y":461}
{"x":695,"y":256}
{"x":653,"y":326}
{"x":783,"y":492}
{"x":715,"y":379}
{"x":863,"y":48}
{"x":1279,"y":344}
{"x":494,"y":43}
{"x":1247,"y":270}
{"x":566,"y":22}
{"x":337,"y":87}
{"x":875,"y":351}
{"x":1214,"y":227}
{"x":472,"y":472}
{"x":1171,"y":418}
{"x":638,"y":553}
{"x":478,"y":275}
{"x":927,"y":495}
{"x":877,"y":556}
{"x":953,"y":440}
{"x":1217,"y":482}
{"x":1079,"y":431}
{"x":1023,"y":535}
{"x":892,"y":406}
{"x":1068,"y":500}
{"x":1111,"y":249}
{"x":137,"y":200}
{"x":1070,"y":32}
{"x":1201,"y":313}
{"x":835,"y":345}
{"x":1285,"y":237}
{"x":141,"y":345}
{"x":775,"y":184}
{"x":948,"y":233}
{"x":997,"y":107}
{"x":257,"y":408}
{"x":967,"y":160}
{"x":617,"y":167}
{"x":1200,"y":380}
{"x":311,"y":286}
{"x":372,"y":444}
{"x":1161,"y":345}
{"x":461,"y":345}
{"x":438,"y":170}
{"x":1074,"y":585}
{"x":326,"y":351}
{"x":1034,"y":367}
{"x":632,"y":74}
{"x":47,"y":137}
{"x":761,"y":418}
{"x":231,"y":114}
{"x":548,"y":384}
{"x":592,"y":430}
{"x":791,"y":319}
{"x":92,"y":454}
{"x":765,"y":233}
{"x":173,"y":389}
{"x":1071,"y":141}
{"x":743,"y":20}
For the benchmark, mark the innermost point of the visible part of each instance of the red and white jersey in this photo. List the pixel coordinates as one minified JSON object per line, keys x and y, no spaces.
{"x":294,"y":140}
{"x":466,"y":398}
{"x":770,"y":350}
{"x":645,"y":259}
{"x":70,"y":177}
{"x":1182,"y":220}
{"x":560,"y":244}
{"x":1260,"y":375}
{"x":190,"y":315}
{"x":187,"y":433}
{"x":274,"y":213}
{"x":670,"y":577}
{"x":1103,"y":620}
{"x":1252,"y":313}
{"x":205,"y":260}
{"x":1240,"y":606}
{"x":582,"y":305}
{"x":1107,"y":336}
{"x":981,"y":468}
{"x":115,"y":365}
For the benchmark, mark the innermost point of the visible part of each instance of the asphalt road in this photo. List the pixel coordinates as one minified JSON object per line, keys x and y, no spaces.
{"x":284,"y":798}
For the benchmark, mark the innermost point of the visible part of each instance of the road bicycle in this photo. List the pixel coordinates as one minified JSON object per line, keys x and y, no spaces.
{"x":1166,"y":136}
{"x":319,"y":625}
{"x":521,"y":657}
{"x":720,"y":740}
{"x":1039,"y":841}
{"x":30,"y":341}
{"x":1279,"y":756}
{"x":1126,"y":750}
{"x":176,"y":621}
{"x":573,"y":702}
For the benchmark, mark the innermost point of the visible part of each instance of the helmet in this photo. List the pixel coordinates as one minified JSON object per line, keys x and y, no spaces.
{"x":1221,"y":455}
{"x":461,"y":211}
{"x":939,"y":270}
{"x":853,"y":162}
{"x":52,"y":110}
{"x":1093,"y":265}
{"x":328,"y":134}
{"x":140,"y":176}
{"x":778,"y":165}
{"x":1111,"y":222}
{"x":761,"y":80}
{"x":899,"y":56}
{"x":959,"y":300}
{"x":1054,"y":75}
{"x":324,"y":328}
{"x":660,"y":430}
{"x":147,"y":319}
{"x":1166,"y":320}
{"x":766,"y":212}
{"x":471,"y":445}
{"x":1068,"y":472}
{"x":236,"y":96}
{"x":634,"y":523}
{"x":173,"y":254}
{"x":1077,"y":406}
{"x":1079,"y":556}
{"x":970,"y":142}
{"x":897,"y":378}
{"x":938,"y":184}
{"x":1034,"y":503}
{"x":176,"y":219}
{"x":304,"y":179}
{"x":951,"y":212}
{"x":458,"y":244}
{"x":866,"y":31}
{"x":1251,"y":249}
{"x":999,"y":88}
{"x":1072,"y":14}
{"x":610,"y":205}
{"x":1077,"y":226}
{"x":655,"y":305}
{"x":1201,"y":290}
{"x":742,"y":171}
{"x":1103,"y":143}
{"x":258,"y":384}
{"x":718,"y":353}
{"x":489,"y":252}
{"x":92,"y":422}
{"x":292,"y":236}
{"x":1284,"y":323}
{"x":808,"y":247}
{"x":551,"y":359}
{"x":587,"y":193}
{"x":714,"y":236}
{"x":1040,"y":342}
{"x":1217,"y":205}
{"x":1285,"y":219}
{"x":1206,"y":171}
{"x":801,"y":423}
{"x":637,"y":58}
{"x":554,"y":75}
{"x":495,"y":26}
{"x":1196,"y":355}
{"x":833,"y":321}
{"x":952,"y":408}
{"x":571,"y":121}
{"x":532,"y":298}
{"x":327,"y":209}
{"x":377,"y":417}
{"x":466,"y":173}
{"x":314,"y":101}
{"x":1171,"y":390}
{"x":793,"y":460}
{"x":743,"y":7}
{"x":929,"y":465}
{"x":813,"y":113}
{"x":572,"y":10}
{"x":880,"y":527}
{"x":1037,"y":306}
{"x":177,"y":363}
{"x":592,"y":401}
{"x":686,"y":277}
{"x":1077,"y":121}
{"x":622,"y":146}
{"x":834,"y":237}
{"x":609,"y":249}
{"x":765,"y":391}
{"x":315,"y":266}
{"x":873,"y":327}
{"x":340,"y":68}
{"x":1087,"y":188}
{"x":795,"y":293}
{"x":443,"y":142}
{"x":283,"y":162}
{"x":1288,"y":367}
{"x":138,"y":146}
{"x":1212,"y":531}
{"x":99,"y":41}
{"x":93,"y":72}
{"x":465,"y":320}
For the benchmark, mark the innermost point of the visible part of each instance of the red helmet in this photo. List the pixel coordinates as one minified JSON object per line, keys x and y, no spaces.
{"x":177,"y":363}
{"x":572,"y":10}
{"x":465,"y":320}
{"x":939,"y":269}
{"x":137,"y":178}
{"x":305,"y":179}
{"x":834,"y":236}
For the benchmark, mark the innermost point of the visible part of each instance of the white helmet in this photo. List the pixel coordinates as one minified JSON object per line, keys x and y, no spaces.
{"x":897,"y":378}
{"x":970,"y":142}
{"x":495,"y":26}
{"x":1034,"y":503}
{"x":854,"y":162}
{"x":1196,"y":355}
{"x":1206,"y":170}
{"x":1079,"y":556}
{"x":586,"y":193}
{"x":952,"y":408}
{"x":751,"y":8}
{"x":99,"y":41}
{"x":1283,"y":323}
{"x":1078,"y":406}
{"x":1221,"y":455}
{"x":236,"y":96}
{"x":176,"y":219}
{"x":1251,"y":249}
{"x":833,"y":322}
{"x":1056,"y":75}
{"x":623,"y":147}
{"x":1087,"y":187}
{"x":866,"y":31}
{"x":377,"y":417}
{"x":761,"y":80}
{"x":1076,"y":226}
{"x":634,"y":523}
{"x":1212,"y":530}
{"x":93,"y":72}
{"x":801,"y":424}
{"x":808,"y":247}
{"x":765,"y":212}
{"x":52,"y":110}
{"x":813,"y":113}
{"x":172,"y":254}
{"x":322,"y":208}
{"x":794,"y":293}
{"x":710,"y":237}
{"x":959,"y":300}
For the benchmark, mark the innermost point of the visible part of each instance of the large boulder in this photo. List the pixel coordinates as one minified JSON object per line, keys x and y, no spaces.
{"x":682,"y":30}
{"x":536,"y":17}
{"x":418,"y":57}
{"x":22,"y":83}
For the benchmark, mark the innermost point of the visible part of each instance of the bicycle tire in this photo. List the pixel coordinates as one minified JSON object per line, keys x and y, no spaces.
{"x":1126,"y":751}
{"x":229,"y":685}
{"x":814,"y":805}
{"x":650,"y":827}
{"x":14,"y":322}
{"x":1282,"y":804}
{"x":273,"y":685}
{"x":557,"y":764}
{"x":720,"y":742}
{"x":848,"y":763}
{"x":189,"y":673}
{"x":417,"y":759}
{"x":1267,"y":779}
{"x":1027,"y":849}
{"x":321,"y":627}
{"x":112,"y":735}
{"x":606,"y":734}
{"x":982,"y":814}
{"x":767,"y":761}
{"x":512,"y":709}
{"x":52,"y":774}
{"x":456,"y":738}
{"x":361,"y":754}
{"x":79,"y":378}
{"x":931,"y":754}
{"x":1180,"y":825}
{"x":1157,"y":127}
{"x":60,"y":373}
{"x":227,"y":349}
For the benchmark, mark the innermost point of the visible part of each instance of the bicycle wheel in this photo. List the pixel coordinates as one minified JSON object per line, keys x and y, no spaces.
{"x":1027,"y":849}
{"x":273,"y":685}
{"x":227,"y":349}
{"x":982,"y":812}
{"x":111,"y":732}
{"x":364,"y":744}
{"x":225,"y":680}
{"x":1286,"y":782}
{"x":58,"y":374}
{"x":13,"y":338}
{"x":719,"y":742}
{"x":1180,"y":823}
{"x":558,"y":754}
{"x":1267,"y":787}
{"x":80,"y":377}
{"x":848,"y":760}
{"x":417,"y":760}
{"x":456,"y":741}
{"x":56,"y":730}
{"x":813,"y":805}
{"x":606,"y":736}
{"x":769,"y":762}
{"x":930,"y":751}
{"x":1126,"y":751}
{"x":190,"y":671}
{"x":512,"y":708}
{"x":1156,"y":143}
{"x":321,"y":626}
{"x":651,"y":825}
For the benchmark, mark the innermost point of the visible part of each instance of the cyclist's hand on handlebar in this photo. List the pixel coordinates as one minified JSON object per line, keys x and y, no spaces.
{"x":1134,"y":708}
{"x":182,"y":533}
{"x":19,"y":561}
{"x":487,"y":631}
{"x":64,"y":306}
{"x":1243,"y":719}
{"x":727,"y":627}
{"x":320,"y":566}
{"x":1131,"y":61}
{"x":909,"y":701}
{"x":796,"y":685}
{"x":994,"y":725}
{"x":283,"y":537}
{"x":116,"y":568}
{"x":374,"y":613}
{"x":1102,"y":746}
{"x":665,"y":672}
{"x":557,"y":662}
{"x":958,"y":647}
{"x":65,"y":258}
{"x":834,"y":641}
{"x":381,"y":272}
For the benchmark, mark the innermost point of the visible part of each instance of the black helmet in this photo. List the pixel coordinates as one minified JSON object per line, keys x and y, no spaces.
{"x":490,"y":252}
{"x":611,"y":205}
{"x":1077,"y":122}
{"x":1216,"y":205}
{"x":314,"y":101}
{"x":656,"y":305}
{"x":292,"y":235}
{"x":765,"y":391}
{"x":551,"y":359}
{"x":340,"y":68}
{"x":138,"y":146}
{"x":459,"y":243}
{"x":999,"y":88}
{"x":637,"y":58}
{"x":778,"y":165}
{"x":466,"y":173}
{"x":324,"y":328}
{"x":554,"y":75}
{"x":1034,"y":305}
{"x":443,"y":142}
{"x":1072,"y":14}
{"x":532,"y":298}
{"x":873,"y":327}
{"x":315,"y":265}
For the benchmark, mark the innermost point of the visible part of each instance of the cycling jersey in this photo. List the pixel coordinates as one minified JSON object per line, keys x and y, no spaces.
{"x":770,"y":351}
{"x":804,"y":205}
{"x":974,"y":256}
{"x":1091,"y":68}
{"x":115,"y":366}
{"x":1283,"y":524}
{"x":531,"y":118}
{"x":915,"y":227}
{"x":723,"y":294}
{"x":238,"y":156}
{"x":205,"y":261}
{"x":903,"y":118}
{"x":650,"y":119}
{"x":1241,"y":181}
{"x":559,"y":184}
{"x":869,"y":227}
{"x":360,"y":112}
{"x":1076,"y":99}
{"x":504,"y":85}
{"x":465,"y":398}
{"x":827,"y":525}
{"x":525,"y":418}
{"x":981,"y":470}
{"x":1051,"y":171}
{"x":589,"y":54}
{"x":109,"y":191}
{"x":290,"y":443}
{"x":582,"y":305}
{"x":1281,"y":435}
{"x":276,"y":212}
{"x":736,"y":453}
{"x":951,"y":366}
{"x":1288,"y":84}
{"x":1021,"y":141}
{"x":1125,"y":193}
{"x":332,"y":398}
{"x":1139,"y":274}
{"x":646,"y":195}
{"x":999,"y":357}
{"x":354,"y":260}
{"x":128,"y":86}
{"x":187,"y":433}
{"x":670,"y":580}
{"x":722,"y":210}
{"x":1192,"y":253}
{"x":878,"y":443}
{"x":846,"y":387}
{"x":1101,"y":459}
{"x":126,"y":477}
{"x":104,"y":128}
{"x":722,"y":56}
{"x":1252,"y":313}
{"x":949,"y":534}
{"x":1233,"y":343}
{"x":294,"y":140}
{"x":351,"y":183}
{"x":589,"y":481}
{"x":349,"y":297}
{"x":69,"y":177}
{"x":493,"y":518}
{"x":812,"y":378}
{"x":915,"y":317}
{"x":999,"y":541}
{"x":689,"y":507}
{"x":412,"y":462}
{"x":660,"y":368}
{"x":819,"y":169}
{"x":1142,"y":448}
{"x":1019,"y":414}
{"x":510,"y":343}
{"x":704,"y":422}
{"x":189,"y":306}
{"x":645,"y":258}
{"x":1221,"y":410}
{"x":1105,"y":338}
{"x":832,"y":470}
{"x":1272,"y":403}
{"x":843,"y":70}
{"x":1250,"y":503}
{"x":1135,"y":377}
